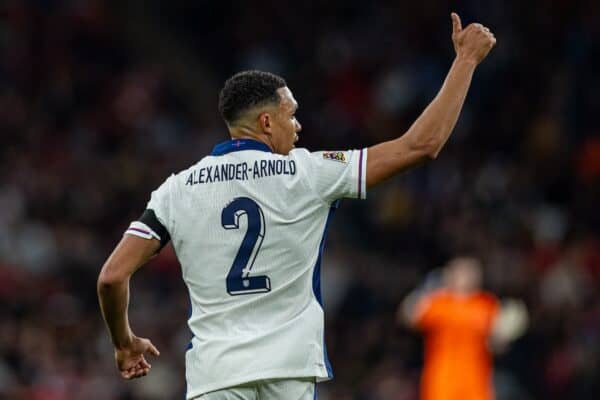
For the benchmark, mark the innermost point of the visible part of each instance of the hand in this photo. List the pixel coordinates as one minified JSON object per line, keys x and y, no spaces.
{"x":130,"y":359}
{"x":472,"y":43}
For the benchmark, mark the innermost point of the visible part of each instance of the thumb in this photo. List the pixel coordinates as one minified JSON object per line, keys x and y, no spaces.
{"x":456,"y":24}
{"x":152,"y":349}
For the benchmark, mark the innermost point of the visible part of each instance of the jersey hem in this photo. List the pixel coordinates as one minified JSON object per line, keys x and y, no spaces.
{"x":264,"y":375}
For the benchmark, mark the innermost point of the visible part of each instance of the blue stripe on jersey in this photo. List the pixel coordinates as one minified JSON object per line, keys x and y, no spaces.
{"x":190,"y":312}
{"x":190,"y":345}
{"x":239,"y":145}
{"x":317,"y":280}
{"x":317,"y":269}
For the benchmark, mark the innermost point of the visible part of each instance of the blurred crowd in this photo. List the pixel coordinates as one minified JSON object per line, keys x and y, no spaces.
{"x":101,"y":100}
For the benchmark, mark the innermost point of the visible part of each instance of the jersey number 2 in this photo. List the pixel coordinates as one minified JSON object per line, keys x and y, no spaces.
{"x":238,"y":279}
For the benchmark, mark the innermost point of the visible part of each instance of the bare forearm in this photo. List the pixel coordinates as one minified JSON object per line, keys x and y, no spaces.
{"x":428,"y":134}
{"x":433,"y":127}
{"x":113,"y":284}
{"x":114,"y":301}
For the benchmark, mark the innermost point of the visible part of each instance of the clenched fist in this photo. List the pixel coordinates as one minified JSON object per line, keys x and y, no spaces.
{"x":472,"y":43}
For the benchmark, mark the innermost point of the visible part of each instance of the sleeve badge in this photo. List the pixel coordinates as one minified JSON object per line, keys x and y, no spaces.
{"x":339,"y":156}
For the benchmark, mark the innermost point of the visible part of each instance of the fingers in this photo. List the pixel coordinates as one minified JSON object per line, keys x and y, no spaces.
{"x":144,"y":364}
{"x":141,"y":369}
{"x":456,"y":24}
{"x":152,"y":349}
{"x":482,"y":30}
{"x":477,"y":27}
{"x":131,"y":362}
{"x":133,"y":374}
{"x":491,"y":38}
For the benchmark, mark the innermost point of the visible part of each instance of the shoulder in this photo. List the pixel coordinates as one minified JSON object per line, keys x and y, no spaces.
{"x":179,"y":178}
{"x":430,"y":309}
{"x":299,"y":153}
{"x":302,"y":158}
{"x":488,"y":300}
{"x":441,"y":294}
{"x":332,"y":158}
{"x":487,"y":297}
{"x":434,"y":298}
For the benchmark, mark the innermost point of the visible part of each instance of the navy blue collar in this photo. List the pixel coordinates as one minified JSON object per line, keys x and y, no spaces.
{"x":239,"y":145}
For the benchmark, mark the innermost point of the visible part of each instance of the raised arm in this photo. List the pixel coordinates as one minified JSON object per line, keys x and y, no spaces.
{"x":113,"y":293}
{"x":428,"y":134}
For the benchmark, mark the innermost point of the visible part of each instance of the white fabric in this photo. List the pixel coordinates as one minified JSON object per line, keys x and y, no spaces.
{"x":288,"y":389}
{"x":277,"y":331}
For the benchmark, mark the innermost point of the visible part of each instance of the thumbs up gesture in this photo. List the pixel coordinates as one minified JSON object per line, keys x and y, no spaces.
{"x":472,"y":43}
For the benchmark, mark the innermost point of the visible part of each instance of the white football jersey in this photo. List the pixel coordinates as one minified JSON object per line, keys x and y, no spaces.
{"x":248,"y":227}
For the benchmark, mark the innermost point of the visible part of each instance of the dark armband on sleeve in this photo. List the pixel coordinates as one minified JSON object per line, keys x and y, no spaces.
{"x":149,"y":218}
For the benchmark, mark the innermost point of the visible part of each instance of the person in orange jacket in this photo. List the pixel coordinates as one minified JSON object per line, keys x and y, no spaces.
{"x":460,"y":322}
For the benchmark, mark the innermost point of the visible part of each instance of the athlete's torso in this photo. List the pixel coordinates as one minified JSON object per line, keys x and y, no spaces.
{"x":247,"y":226}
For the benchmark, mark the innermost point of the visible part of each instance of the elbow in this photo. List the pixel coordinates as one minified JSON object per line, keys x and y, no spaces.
{"x":428,"y":150}
{"x":109,"y":278}
{"x":432,"y":148}
{"x":433,"y":153}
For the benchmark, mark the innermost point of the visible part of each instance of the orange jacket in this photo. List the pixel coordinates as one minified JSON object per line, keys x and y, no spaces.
{"x":458,"y":364}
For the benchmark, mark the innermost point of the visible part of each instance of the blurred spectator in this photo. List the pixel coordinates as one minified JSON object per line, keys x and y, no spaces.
{"x":460,"y":322}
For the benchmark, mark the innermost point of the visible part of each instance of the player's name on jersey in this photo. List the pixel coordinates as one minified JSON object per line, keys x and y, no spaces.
{"x":241,"y":171}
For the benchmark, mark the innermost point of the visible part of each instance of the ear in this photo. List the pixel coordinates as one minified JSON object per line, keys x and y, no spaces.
{"x":265,"y":121}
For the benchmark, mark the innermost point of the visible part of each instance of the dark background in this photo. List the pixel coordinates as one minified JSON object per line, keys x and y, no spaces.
{"x":101,"y":101}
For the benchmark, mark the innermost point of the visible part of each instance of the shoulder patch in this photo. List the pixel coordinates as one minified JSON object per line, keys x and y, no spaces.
{"x":335,"y":156}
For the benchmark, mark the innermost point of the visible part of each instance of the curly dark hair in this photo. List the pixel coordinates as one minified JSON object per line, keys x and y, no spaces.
{"x":248,"y":89}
